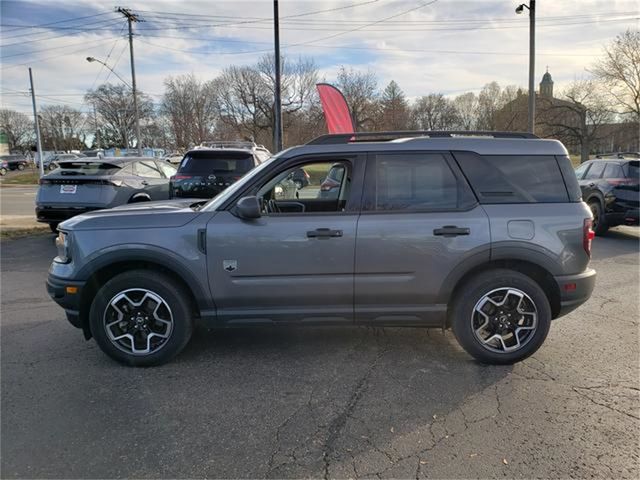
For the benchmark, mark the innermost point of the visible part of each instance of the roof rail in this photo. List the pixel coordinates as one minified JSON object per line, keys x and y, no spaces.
{"x":231,"y":144}
{"x":394,"y":135}
{"x":619,"y":155}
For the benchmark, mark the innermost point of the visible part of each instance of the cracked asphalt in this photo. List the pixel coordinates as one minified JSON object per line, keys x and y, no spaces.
{"x":322,"y":402}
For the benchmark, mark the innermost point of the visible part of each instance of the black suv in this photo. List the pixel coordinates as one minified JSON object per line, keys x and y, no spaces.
{"x":610,"y":188}
{"x":210,"y":168}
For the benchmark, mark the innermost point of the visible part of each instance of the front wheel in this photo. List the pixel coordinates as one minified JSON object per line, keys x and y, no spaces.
{"x":3,"y":171}
{"x":20,"y":166}
{"x":501,"y":316}
{"x":141,"y":318}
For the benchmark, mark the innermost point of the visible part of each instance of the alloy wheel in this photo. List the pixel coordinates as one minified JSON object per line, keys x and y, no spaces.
{"x":504,"y":320}
{"x":138,"y":321}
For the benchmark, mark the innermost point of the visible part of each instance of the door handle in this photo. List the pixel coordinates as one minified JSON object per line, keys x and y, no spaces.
{"x":324,"y":233}
{"x":592,"y":184}
{"x":451,"y":231}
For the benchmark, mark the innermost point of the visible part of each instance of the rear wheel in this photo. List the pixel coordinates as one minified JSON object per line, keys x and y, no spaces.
{"x":501,"y":316}
{"x":21,"y":166}
{"x":141,"y":318}
{"x":3,"y":171}
{"x":599,"y":225}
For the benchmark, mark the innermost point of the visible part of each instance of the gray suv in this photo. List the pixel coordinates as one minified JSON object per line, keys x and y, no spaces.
{"x":481,"y":232}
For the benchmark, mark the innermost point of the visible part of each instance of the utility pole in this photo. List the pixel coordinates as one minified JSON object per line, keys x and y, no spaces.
{"x":532,"y":65}
{"x":131,"y":18}
{"x":532,"y":60}
{"x":277,"y":133}
{"x":37,"y":124}
{"x":95,"y":124}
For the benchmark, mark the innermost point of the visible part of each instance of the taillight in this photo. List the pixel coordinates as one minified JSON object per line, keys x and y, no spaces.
{"x":620,"y":181}
{"x":43,"y":181}
{"x":180,"y":177}
{"x":587,"y":235}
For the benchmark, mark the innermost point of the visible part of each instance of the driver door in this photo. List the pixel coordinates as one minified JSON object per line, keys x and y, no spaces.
{"x":296,"y":262}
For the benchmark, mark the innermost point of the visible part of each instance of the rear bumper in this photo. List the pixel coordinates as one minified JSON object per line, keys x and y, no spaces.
{"x":70,"y":302}
{"x":59,"y":214}
{"x":575,"y":290}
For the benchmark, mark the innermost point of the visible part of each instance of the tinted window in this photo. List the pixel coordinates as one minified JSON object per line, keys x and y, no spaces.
{"x":416,"y":182}
{"x":613,"y":170}
{"x":514,"y":179}
{"x":205,"y":162}
{"x":147,"y":169}
{"x":632,"y":169}
{"x":595,"y":171}
{"x":581,"y":170}
{"x":86,"y":168}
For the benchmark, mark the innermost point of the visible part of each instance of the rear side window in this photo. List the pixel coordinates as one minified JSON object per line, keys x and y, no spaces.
{"x":205,"y":162}
{"x":514,"y":178}
{"x":147,"y":169}
{"x":595,"y":171}
{"x":632,"y":170}
{"x":580,"y":171}
{"x":613,"y":170}
{"x":415,"y":182}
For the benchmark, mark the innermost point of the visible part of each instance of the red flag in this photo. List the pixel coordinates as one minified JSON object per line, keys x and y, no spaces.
{"x":336,"y":110}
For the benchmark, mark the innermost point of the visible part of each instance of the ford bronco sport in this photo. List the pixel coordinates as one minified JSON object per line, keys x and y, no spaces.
{"x":481,"y":232}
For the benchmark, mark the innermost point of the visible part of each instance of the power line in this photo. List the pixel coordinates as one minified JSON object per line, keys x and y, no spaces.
{"x":59,"y":21}
{"x":124,"y":25}
{"x":93,"y":27}
{"x":66,"y":34}
{"x":43,"y":50}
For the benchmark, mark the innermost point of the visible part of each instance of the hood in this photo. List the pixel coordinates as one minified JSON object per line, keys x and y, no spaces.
{"x":160,"y":214}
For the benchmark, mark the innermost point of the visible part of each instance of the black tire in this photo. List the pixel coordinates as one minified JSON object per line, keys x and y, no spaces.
{"x":139,"y":198}
{"x":158,"y":284}
{"x":20,"y":166}
{"x":470,"y":294}
{"x":600,"y":225}
{"x":54,"y":227}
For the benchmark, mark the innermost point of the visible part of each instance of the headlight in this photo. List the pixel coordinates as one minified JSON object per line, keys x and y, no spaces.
{"x":62,"y":242}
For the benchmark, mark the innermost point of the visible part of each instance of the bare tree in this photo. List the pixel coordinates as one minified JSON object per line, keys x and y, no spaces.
{"x":359,"y":90}
{"x":191,"y":107}
{"x":578,"y":118}
{"x":62,"y":128}
{"x":466,"y":106}
{"x":619,"y":69}
{"x":114,"y":104}
{"x":18,"y":128}
{"x":394,"y":109}
{"x":489,"y":103}
{"x":435,"y":112}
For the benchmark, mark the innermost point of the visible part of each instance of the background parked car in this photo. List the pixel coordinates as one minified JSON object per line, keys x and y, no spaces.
{"x":85,"y":184}
{"x":14,"y":162}
{"x":610,"y":186}
{"x":51,"y":162}
{"x":175,"y":158}
{"x":330,"y":186}
{"x":209,"y":169}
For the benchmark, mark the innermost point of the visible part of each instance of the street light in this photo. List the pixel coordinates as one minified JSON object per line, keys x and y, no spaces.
{"x":532,"y":59}
{"x":92,"y":59}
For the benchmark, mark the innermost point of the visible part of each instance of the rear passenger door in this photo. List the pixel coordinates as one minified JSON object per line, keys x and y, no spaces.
{"x":153,"y":181}
{"x":419,"y":222}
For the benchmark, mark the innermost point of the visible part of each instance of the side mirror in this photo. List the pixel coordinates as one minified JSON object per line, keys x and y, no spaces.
{"x":248,"y":208}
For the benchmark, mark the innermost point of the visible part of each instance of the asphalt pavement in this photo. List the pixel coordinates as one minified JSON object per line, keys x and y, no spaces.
{"x":321,"y":402}
{"x":18,"y":200}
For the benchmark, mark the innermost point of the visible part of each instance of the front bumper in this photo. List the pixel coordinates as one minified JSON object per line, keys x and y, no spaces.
{"x":575,"y":290}
{"x":59,"y":289}
{"x":59,"y":214}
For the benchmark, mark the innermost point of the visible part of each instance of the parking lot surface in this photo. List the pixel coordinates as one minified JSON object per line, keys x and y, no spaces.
{"x":322,"y":402}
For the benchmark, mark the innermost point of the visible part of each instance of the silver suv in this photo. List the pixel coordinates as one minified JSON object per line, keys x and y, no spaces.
{"x":484,"y":233}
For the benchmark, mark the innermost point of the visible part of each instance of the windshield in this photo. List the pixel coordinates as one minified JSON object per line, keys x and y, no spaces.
{"x":219,"y":199}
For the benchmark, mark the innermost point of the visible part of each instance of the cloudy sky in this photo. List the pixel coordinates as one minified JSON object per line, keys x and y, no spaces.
{"x":448,"y":46}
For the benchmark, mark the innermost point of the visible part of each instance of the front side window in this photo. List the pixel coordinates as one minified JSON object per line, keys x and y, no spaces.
{"x":580,"y":171}
{"x":309,"y":188}
{"x":415,"y":182}
{"x":595,"y":171}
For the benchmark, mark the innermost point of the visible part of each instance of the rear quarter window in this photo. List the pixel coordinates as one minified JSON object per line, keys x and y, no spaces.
{"x":206,"y":162}
{"x":514,"y":178}
{"x":632,"y":169}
